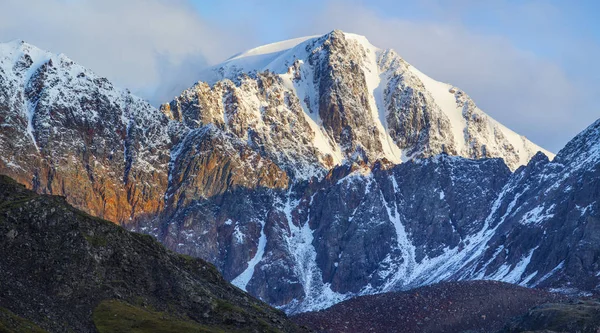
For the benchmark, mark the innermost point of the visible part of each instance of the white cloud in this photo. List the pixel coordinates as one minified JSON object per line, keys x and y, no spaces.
{"x":153,"y":47}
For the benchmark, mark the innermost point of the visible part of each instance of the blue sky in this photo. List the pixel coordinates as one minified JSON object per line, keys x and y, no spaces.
{"x":531,"y":64}
{"x":541,"y":27}
{"x":569,"y":19}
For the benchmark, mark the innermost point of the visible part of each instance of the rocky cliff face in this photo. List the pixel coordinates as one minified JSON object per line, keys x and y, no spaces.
{"x":359,"y":230}
{"x":546,"y":231}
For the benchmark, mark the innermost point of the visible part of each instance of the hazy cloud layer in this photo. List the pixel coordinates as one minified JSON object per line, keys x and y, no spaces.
{"x":153,"y":47}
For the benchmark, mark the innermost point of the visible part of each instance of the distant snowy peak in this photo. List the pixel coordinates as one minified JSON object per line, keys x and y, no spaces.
{"x":60,"y":79}
{"x":583,"y":150}
{"x":41,"y":81}
{"x":21,"y":62}
{"x":370,"y":103}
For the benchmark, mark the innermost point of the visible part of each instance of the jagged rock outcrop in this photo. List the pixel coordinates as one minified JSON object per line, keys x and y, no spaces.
{"x":261,"y":112}
{"x":208,"y":162}
{"x":547,"y":229}
{"x":69,"y":272}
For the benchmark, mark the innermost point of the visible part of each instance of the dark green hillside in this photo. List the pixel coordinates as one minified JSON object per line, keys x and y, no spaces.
{"x":62,"y":270}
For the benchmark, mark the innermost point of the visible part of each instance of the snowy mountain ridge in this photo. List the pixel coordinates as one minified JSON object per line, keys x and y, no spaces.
{"x":410,"y":114}
{"x":68,"y":131}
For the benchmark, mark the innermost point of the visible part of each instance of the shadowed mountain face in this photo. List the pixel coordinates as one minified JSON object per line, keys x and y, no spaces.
{"x":66,"y":271}
{"x":308,"y":172}
{"x":550,"y":226}
{"x":315,"y":243}
{"x":364,"y":229}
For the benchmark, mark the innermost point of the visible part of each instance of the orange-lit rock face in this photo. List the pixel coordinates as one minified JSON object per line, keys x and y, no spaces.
{"x":97,"y":191}
{"x":100,"y":181}
{"x":211,"y":162}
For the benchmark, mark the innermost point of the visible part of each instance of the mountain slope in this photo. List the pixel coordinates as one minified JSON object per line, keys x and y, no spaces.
{"x":67,"y":271}
{"x":360,"y":230}
{"x":70,"y":132}
{"x":549,"y":231}
{"x":473,"y":306}
{"x":369,"y":229}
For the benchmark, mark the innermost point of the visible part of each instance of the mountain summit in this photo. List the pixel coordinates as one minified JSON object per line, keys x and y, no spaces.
{"x":336,"y":98}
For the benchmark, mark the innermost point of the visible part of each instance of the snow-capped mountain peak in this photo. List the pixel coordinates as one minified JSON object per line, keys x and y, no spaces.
{"x":356,"y":100}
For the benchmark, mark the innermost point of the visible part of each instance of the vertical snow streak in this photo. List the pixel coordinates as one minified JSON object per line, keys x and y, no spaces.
{"x":405,"y":270}
{"x":318,"y":295}
{"x":376,"y":88}
{"x":241,"y":281}
{"x":30,"y":112}
{"x":39,"y":59}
